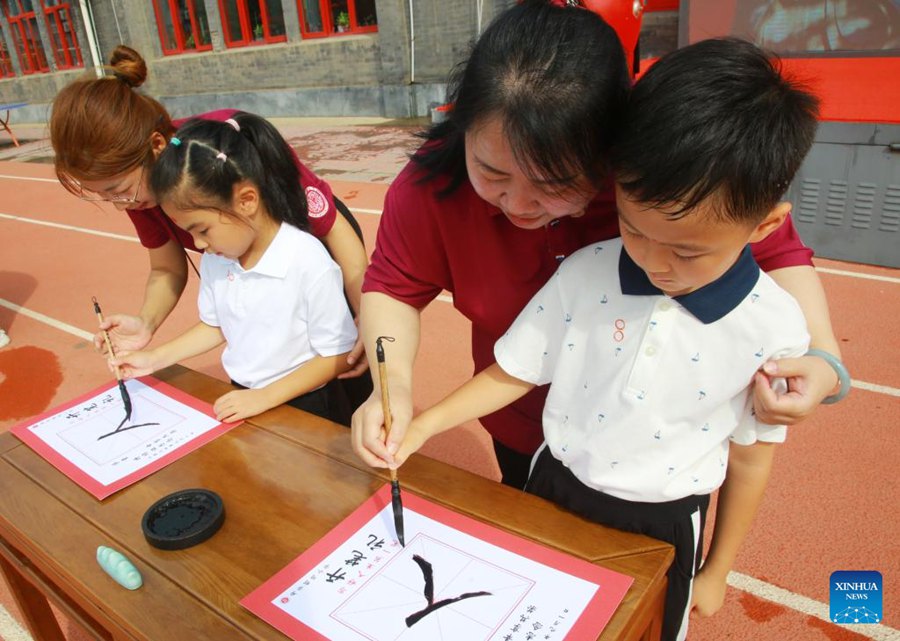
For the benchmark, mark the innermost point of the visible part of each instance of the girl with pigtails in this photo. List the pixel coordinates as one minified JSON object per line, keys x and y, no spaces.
{"x":269,"y":289}
{"x":107,"y":135}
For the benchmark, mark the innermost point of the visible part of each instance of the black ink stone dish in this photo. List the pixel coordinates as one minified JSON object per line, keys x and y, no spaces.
{"x":183,"y":519}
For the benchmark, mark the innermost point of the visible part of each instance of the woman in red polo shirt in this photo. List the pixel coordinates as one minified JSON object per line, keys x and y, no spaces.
{"x":509,"y":185}
{"x":107,"y":136}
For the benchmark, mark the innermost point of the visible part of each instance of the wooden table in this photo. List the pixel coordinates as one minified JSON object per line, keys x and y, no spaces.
{"x":286,"y":479}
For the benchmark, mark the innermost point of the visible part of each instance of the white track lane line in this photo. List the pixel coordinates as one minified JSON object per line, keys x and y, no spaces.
{"x":83,"y":230}
{"x":52,"y":322}
{"x":10,"y":630}
{"x":844,"y":272}
{"x":362,"y":210}
{"x":806,"y":605}
{"x":40,"y":180}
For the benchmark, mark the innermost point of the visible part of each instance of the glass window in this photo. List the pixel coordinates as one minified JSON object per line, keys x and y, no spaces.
{"x":6,"y":68}
{"x":58,"y":17}
{"x":183,"y":26}
{"x":247,"y":22}
{"x":25,"y":35}
{"x":319,"y":18}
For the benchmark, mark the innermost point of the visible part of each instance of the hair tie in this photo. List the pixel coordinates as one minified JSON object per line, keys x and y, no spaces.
{"x":174,"y":141}
{"x":233,"y":123}
{"x":221,"y":156}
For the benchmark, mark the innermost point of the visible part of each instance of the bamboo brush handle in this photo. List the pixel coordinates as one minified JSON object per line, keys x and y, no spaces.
{"x":106,"y":340}
{"x":386,"y":407}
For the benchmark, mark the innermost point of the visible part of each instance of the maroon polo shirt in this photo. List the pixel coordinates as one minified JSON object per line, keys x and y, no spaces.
{"x":154,"y":228}
{"x":464,"y":245}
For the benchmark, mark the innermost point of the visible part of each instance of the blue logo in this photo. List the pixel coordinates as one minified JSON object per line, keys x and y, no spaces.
{"x":856,"y":597}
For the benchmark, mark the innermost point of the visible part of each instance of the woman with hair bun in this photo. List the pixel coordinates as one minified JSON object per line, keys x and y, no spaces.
{"x":107,"y":137}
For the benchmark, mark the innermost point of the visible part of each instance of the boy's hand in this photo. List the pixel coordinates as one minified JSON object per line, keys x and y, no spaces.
{"x":367,"y":427}
{"x":126,"y":333}
{"x":240,"y":404}
{"x":708,"y":593}
{"x":809,"y":380}
{"x":134,"y":364}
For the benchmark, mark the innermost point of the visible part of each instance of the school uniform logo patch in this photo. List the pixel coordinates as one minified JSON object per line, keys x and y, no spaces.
{"x":316,"y":202}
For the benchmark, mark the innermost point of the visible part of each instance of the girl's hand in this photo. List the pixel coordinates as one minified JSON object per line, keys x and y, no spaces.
{"x":126,"y":333}
{"x":809,"y":380}
{"x":134,"y":364}
{"x":358,"y":361}
{"x":708,"y":593}
{"x":416,"y":436}
{"x":240,"y":404}
{"x":367,"y":427}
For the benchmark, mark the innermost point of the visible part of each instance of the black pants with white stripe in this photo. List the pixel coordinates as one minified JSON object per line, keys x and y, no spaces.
{"x":677,"y":522}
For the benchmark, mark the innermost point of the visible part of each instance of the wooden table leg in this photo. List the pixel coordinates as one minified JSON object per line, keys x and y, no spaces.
{"x":5,"y":124}
{"x":33,"y":604}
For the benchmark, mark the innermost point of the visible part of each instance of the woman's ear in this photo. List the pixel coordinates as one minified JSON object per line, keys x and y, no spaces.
{"x":773,"y":220}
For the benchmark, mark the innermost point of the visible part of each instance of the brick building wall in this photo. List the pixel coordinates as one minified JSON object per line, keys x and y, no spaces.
{"x":362,"y":74}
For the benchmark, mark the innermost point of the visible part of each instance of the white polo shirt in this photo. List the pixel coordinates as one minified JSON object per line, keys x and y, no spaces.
{"x":647,"y":390}
{"x":281,"y":313}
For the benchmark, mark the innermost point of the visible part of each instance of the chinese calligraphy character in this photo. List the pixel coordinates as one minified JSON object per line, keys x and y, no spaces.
{"x":428,"y":574}
{"x":337,"y":575}
{"x":374,"y":542}
{"x":357,"y":557}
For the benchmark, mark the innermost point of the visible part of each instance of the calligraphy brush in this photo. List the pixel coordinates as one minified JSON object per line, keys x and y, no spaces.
{"x":126,"y":399}
{"x":396,"y":503}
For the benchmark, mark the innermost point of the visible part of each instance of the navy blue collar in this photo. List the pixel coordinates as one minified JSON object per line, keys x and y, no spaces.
{"x":709,"y":303}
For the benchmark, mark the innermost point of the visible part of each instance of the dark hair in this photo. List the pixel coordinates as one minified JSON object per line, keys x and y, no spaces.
{"x":556,"y":77}
{"x":194,"y":175}
{"x":101,"y":127}
{"x":715,"y":118}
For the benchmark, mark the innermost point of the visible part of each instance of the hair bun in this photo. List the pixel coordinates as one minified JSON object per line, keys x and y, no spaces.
{"x":128,"y":66}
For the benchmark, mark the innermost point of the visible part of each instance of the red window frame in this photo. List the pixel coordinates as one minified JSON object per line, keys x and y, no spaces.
{"x":246,"y":38}
{"x":6,"y":68}
{"x":662,"y":5}
{"x":329,"y":26}
{"x":27,"y":39}
{"x":180,"y":37}
{"x":56,"y":16}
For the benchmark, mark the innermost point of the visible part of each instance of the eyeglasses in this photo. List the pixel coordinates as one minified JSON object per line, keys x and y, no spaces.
{"x":101,"y":196}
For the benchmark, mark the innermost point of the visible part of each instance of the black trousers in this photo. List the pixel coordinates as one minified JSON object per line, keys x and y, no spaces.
{"x":677,"y":522}
{"x":329,"y":401}
{"x":513,"y":465}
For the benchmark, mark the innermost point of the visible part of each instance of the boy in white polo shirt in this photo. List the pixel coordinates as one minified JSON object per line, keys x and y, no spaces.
{"x":650,"y":342}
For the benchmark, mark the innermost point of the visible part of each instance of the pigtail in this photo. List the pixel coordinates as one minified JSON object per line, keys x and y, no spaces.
{"x":279,"y":179}
{"x":210,"y":157}
{"x":168,"y":169}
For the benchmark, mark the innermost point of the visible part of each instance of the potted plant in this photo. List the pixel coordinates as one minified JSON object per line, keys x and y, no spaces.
{"x":343,"y":21}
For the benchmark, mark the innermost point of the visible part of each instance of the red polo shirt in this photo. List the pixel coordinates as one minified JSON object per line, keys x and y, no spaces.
{"x":464,"y":245}
{"x":154,"y":228}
